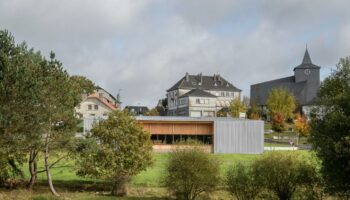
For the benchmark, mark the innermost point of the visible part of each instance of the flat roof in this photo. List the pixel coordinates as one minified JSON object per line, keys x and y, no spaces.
{"x":188,"y":119}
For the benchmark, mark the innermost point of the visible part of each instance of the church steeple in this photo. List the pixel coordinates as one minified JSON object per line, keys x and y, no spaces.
{"x":306,"y":59}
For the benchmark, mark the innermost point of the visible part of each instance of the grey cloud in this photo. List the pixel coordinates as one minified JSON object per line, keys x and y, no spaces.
{"x":143,"y":47}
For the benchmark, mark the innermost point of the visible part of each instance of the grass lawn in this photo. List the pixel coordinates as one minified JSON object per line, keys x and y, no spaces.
{"x":147,"y":184}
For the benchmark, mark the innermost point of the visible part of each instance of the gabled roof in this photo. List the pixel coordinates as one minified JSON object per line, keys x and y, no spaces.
{"x":260,"y":91}
{"x":100,"y":88}
{"x":198,"y":93}
{"x":102,"y":100}
{"x":215,"y":82}
{"x":306,"y":63}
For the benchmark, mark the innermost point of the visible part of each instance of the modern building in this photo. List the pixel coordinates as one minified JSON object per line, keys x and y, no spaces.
{"x":304,"y":84}
{"x":97,"y":104}
{"x":198,"y":95}
{"x":219,"y":135}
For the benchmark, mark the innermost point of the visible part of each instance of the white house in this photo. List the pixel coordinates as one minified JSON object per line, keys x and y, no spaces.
{"x":198,"y":95}
{"x":97,"y":104}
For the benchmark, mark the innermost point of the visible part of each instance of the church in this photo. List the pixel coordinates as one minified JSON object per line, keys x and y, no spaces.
{"x":304,"y":84}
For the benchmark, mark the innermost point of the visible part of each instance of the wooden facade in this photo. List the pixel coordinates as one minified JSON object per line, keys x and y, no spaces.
{"x":178,"y":128}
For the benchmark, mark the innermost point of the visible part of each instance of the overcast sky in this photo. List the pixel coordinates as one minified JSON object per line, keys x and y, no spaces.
{"x":144,"y":47}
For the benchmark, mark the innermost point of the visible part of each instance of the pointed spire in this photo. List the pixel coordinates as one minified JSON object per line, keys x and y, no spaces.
{"x":306,"y":59}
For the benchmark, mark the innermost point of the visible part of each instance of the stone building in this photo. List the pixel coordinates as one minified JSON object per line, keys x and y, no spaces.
{"x":304,"y":84}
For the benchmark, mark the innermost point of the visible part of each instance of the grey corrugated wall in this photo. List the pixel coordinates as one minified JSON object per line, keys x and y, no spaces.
{"x":238,"y":136}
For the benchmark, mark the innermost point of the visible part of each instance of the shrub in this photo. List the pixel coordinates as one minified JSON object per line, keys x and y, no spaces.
{"x":278,"y":122}
{"x":191,"y":172}
{"x":241,"y":182}
{"x":282,"y":173}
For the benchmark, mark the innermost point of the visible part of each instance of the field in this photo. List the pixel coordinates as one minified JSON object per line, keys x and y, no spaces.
{"x":146,"y":185}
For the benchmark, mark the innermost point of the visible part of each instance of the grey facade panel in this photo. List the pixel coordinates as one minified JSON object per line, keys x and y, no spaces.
{"x":240,"y":137}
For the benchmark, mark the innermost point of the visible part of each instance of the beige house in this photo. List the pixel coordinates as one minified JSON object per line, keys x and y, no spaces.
{"x":198,"y":95}
{"x":97,"y":105}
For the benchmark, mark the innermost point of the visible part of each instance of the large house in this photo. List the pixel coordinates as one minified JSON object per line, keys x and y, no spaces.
{"x":97,"y":104}
{"x":198,"y":95}
{"x":304,"y":84}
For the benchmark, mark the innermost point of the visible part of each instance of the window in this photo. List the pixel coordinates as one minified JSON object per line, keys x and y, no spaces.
{"x":100,"y":95}
{"x":92,"y":115}
{"x":96,"y":107}
{"x":89,"y":107}
{"x":202,"y":101}
{"x":222,"y":94}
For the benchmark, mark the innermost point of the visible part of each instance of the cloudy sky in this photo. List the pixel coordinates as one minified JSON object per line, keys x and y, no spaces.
{"x":142,"y":47}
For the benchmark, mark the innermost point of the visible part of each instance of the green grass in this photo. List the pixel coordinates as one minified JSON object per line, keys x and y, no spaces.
{"x":64,"y":172}
{"x":146,"y":185}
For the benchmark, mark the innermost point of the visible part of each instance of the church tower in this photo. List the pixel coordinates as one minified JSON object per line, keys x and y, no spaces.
{"x":309,"y":73}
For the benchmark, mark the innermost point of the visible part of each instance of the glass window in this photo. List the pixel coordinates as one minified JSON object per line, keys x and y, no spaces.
{"x":96,"y":107}
{"x":89,"y":107}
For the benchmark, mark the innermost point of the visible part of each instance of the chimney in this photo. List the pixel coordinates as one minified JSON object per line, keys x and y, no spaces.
{"x":187,"y":77}
{"x":200,"y":78}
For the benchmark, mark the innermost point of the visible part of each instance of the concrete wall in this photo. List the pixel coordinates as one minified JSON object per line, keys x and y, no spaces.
{"x":238,"y":136}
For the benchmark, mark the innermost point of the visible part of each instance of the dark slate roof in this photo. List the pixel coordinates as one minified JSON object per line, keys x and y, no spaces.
{"x":100,"y":88}
{"x":215,"y":82}
{"x":260,"y":91}
{"x":306,"y":63}
{"x":197,"y":93}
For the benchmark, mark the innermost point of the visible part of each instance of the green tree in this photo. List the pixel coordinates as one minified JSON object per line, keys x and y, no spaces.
{"x":190,"y":172}
{"x":237,"y":106}
{"x":152,"y":112}
{"x":281,"y":101}
{"x":37,"y":98}
{"x":330,"y":129}
{"x":283,"y":173}
{"x":241,"y":182}
{"x":19,"y":88}
{"x":254,"y":112}
{"x":118,"y":149}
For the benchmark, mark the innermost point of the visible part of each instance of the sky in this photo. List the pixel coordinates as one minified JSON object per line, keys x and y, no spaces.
{"x":140,"y":48}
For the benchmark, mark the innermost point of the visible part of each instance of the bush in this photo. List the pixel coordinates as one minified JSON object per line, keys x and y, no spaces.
{"x":241,"y":182}
{"x":278,"y":122}
{"x":191,"y":172}
{"x":283,"y":173}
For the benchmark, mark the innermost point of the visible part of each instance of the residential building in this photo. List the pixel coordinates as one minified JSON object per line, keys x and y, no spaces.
{"x":137,"y":110}
{"x":198,"y":95}
{"x":97,"y":105}
{"x":304,"y":84}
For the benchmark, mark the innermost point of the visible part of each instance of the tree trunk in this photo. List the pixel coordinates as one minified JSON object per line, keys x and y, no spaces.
{"x":32,"y":169}
{"x":119,"y":187}
{"x":47,"y":166}
{"x":298,"y":140}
